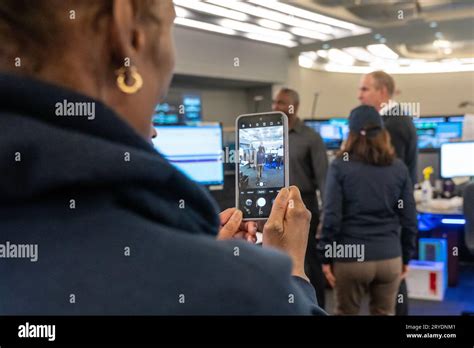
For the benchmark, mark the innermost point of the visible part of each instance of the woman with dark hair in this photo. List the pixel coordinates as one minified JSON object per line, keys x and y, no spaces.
{"x":370,"y":224}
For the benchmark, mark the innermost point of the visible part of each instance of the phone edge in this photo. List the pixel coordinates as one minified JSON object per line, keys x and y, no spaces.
{"x":237,"y":145}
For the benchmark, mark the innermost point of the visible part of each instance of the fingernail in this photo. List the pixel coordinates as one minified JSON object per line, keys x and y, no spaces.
{"x":285,"y":193}
{"x":237,"y":215}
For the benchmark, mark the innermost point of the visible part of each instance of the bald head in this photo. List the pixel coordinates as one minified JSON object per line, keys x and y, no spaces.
{"x":287,"y":101}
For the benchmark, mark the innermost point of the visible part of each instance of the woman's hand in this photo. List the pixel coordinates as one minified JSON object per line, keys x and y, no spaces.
{"x":329,"y":275}
{"x":232,"y":226}
{"x":405,"y":270}
{"x":287,"y":227}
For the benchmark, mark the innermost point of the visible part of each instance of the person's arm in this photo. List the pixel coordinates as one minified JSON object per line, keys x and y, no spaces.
{"x":309,"y":295}
{"x":332,"y":211}
{"x":406,"y":209}
{"x":412,"y":153}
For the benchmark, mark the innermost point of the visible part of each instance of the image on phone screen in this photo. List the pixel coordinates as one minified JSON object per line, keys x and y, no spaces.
{"x":262,"y":168}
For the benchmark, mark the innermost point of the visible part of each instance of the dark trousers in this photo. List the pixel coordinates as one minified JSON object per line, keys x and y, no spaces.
{"x":312,"y":262}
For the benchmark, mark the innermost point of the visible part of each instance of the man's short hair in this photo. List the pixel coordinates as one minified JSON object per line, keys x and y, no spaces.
{"x":382,"y":79}
{"x":293,"y":95}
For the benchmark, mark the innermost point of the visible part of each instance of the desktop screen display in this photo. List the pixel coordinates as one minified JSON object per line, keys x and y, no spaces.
{"x":456,"y":159}
{"x":166,"y":113}
{"x":459,"y":118}
{"x":196,"y":150}
{"x":178,"y":109}
{"x":434,"y":131}
{"x":333,"y":131}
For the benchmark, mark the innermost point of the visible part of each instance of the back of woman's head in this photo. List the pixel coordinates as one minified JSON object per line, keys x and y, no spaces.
{"x":40,"y":31}
{"x":120,"y":52}
{"x":368,"y":140}
{"x":375,"y":149}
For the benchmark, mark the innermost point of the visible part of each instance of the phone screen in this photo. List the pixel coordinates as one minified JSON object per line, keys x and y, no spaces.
{"x":262,"y":165}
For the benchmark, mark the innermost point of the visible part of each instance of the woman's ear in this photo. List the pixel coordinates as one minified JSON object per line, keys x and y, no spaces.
{"x":124,"y":38}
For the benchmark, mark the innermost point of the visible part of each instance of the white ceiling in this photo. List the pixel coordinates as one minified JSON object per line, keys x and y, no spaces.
{"x":395,"y":35}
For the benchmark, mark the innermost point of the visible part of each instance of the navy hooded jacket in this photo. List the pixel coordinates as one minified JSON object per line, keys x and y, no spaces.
{"x":118,"y":230}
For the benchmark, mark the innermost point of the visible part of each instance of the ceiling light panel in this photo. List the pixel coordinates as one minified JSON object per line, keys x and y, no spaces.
{"x":211,"y":9}
{"x":255,"y":29}
{"x":203,"y":26}
{"x":272,"y":15}
{"x":270,"y":19}
{"x":382,"y":51}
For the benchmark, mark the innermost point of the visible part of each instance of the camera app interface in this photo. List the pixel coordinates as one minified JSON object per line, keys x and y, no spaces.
{"x":261,"y":164}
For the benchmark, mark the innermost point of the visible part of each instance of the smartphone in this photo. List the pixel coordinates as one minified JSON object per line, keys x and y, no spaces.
{"x":261,"y":169}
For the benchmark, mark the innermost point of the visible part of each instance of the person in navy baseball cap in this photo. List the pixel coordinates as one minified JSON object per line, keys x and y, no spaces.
{"x":365,"y":120}
{"x":365,"y":186}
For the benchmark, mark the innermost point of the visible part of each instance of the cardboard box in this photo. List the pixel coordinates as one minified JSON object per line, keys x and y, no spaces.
{"x":425,"y":280}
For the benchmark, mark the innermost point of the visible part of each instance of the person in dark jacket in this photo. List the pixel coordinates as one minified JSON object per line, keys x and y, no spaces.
{"x":370,"y":225}
{"x":377,"y":89}
{"x":105,"y":225}
{"x":308,"y":165}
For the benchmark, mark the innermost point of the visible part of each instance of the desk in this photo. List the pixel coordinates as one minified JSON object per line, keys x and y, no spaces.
{"x":450,"y":226}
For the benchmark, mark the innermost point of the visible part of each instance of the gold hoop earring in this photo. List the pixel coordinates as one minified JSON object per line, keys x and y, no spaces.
{"x":137,"y":80}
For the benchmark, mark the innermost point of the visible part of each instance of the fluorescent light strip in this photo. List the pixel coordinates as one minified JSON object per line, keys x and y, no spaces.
{"x":296,"y":11}
{"x":322,"y":53}
{"x":360,"y":53}
{"x":340,"y":57}
{"x":384,"y":64}
{"x":204,"y":26}
{"x":382,"y":51}
{"x":441,"y":44}
{"x":272,"y":15}
{"x":255,"y":29}
{"x":305,"y":61}
{"x":453,"y":221}
{"x":428,"y":68}
{"x":211,"y":9}
{"x":270,"y":24}
{"x":310,"y":34}
{"x":311,"y":54}
{"x":270,"y":39}
{"x":181,"y":12}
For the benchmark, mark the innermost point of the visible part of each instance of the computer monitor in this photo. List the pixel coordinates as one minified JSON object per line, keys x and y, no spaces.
{"x":342,"y":123}
{"x":196,"y":150}
{"x":456,"y":159}
{"x":333,"y":131}
{"x":435,"y":119}
{"x":434,"y":131}
{"x":166,"y":113}
{"x":178,"y":109}
{"x":457,"y":118}
{"x":192,"y":107}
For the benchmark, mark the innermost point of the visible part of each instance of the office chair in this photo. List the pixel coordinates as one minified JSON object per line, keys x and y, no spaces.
{"x":469,"y":216}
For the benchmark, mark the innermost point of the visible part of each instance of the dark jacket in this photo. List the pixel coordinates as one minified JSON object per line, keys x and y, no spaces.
{"x":369,"y":205}
{"x":308,"y":164}
{"x":404,"y":139}
{"x":118,"y":229}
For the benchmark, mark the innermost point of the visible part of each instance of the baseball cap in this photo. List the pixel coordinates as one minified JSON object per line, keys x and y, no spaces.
{"x":365,"y":119}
